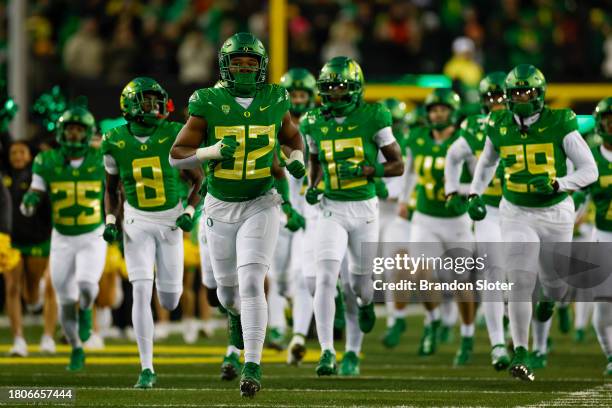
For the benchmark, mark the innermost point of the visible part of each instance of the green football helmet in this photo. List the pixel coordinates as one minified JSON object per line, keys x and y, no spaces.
{"x":396,"y":107}
{"x":604,"y":108}
{"x":299,"y":79}
{"x":341,"y":78}
{"x":132,"y":102}
{"x":446,"y":97}
{"x":243,"y":83}
{"x":492,"y":91}
{"x":525,"y":78}
{"x":76,"y":115}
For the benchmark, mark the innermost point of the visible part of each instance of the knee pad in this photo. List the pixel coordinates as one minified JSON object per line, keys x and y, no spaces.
{"x":88,"y":292}
{"x":311,"y":284}
{"x":228,"y":297}
{"x":169,"y":300}
{"x":251,"y":279}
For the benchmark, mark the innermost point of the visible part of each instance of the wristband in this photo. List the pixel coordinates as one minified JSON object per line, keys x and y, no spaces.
{"x":189,"y":210}
{"x":110,"y":219}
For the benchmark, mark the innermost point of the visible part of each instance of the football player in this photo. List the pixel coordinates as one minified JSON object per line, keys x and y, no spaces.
{"x":73,"y":177}
{"x":240,"y":124}
{"x":466,"y":149}
{"x":533,"y":142}
{"x":433,"y":221}
{"x":136,"y":155}
{"x":345,"y":136}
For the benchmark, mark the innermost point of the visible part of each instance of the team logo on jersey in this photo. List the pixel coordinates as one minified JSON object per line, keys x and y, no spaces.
{"x":503,"y":131}
{"x":91,"y":169}
{"x":209,"y":222}
{"x":420,"y":142}
{"x":225,"y":109}
{"x":121,"y":144}
{"x":352,"y":127}
{"x":144,"y":147}
{"x":435,"y":149}
{"x":324,"y":129}
{"x":263,"y":108}
{"x":479,"y":135}
{"x":163,"y":140}
{"x":75,"y":173}
{"x":339,"y":129}
{"x":247,"y":114}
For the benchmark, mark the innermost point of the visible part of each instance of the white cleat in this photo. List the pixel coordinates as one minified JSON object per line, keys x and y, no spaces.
{"x":95,"y":342}
{"x":161,"y":331}
{"x":20,"y":348}
{"x":190,"y":333}
{"x":296,"y":350}
{"x":47,"y":344}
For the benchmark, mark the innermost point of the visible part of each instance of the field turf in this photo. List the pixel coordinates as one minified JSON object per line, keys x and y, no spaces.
{"x":188,"y":376}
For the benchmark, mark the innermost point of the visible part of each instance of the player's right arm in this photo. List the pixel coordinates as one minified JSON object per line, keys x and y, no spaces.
{"x":485,"y":168}
{"x":315,"y":172}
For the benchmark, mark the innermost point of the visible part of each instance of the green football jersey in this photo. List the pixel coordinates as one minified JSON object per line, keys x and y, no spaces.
{"x":150,"y":183}
{"x":473,"y":131}
{"x":601,"y":191}
{"x":428,"y":161}
{"x":351,"y":140}
{"x":76,"y":194}
{"x":248,"y":175}
{"x":537,"y":151}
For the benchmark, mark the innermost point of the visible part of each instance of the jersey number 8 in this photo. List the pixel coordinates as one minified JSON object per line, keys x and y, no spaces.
{"x":155,"y":183}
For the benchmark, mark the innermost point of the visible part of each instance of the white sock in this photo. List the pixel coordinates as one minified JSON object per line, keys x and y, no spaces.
{"x":324,"y":305}
{"x":400,"y":313}
{"x":540,"y":334}
{"x":302,"y":307}
{"x":602,"y":320}
{"x":467,"y":330}
{"x":520,"y":319}
{"x":276,"y":307}
{"x":390,"y":309}
{"x":449,"y":313}
{"x":232,"y":350}
{"x":142,"y":320}
{"x":254,"y":310}
{"x":582,"y":311}
{"x":494,"y":316}
{"x":354,"y":335}
{"x":70,"y":324}
{"x":432,"y":315}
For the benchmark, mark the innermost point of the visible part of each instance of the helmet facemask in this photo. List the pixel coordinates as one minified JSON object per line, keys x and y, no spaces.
{"x":243,"y":73}
{"x":341,"y":97}
{"x":525,"y":101}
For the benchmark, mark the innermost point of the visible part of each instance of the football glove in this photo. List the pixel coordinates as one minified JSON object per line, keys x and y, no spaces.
{"x":111,"y":232}
{"x":349,"y":170}
{"x":476,"y":207}
{"x":295,"y":220}
{"x":295,"y":164}
{"x":312,"y":195}
{"x":185,"y":220}
{"x":542,"y":184}
{"x":381,"y":189}
{"x":29,"y":203}
{"x":456,"y":203}
{"x":227,"y":147}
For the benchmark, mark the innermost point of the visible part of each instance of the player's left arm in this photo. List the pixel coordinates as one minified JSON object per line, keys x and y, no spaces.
{"x":193,"y":177}
{"x":578,"y":152}
{"x":390,"y":149}
{"x":292,"y":146}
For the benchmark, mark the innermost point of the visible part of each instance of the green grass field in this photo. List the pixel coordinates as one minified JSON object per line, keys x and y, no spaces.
{"x":188,"y":376}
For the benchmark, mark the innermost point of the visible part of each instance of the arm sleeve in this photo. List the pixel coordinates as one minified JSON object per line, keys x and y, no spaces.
{"x":409,"y":179}
{"x":384,"y":137}
{"x":38,"y":183}
{"x":578,"y":152}
{"x":485,"y":168}
{"x":110,"y":165}
{"x":457,"y":154}
{"x":312,"y":145}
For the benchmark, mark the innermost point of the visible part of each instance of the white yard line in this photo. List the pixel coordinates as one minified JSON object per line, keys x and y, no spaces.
{"x":593,"y":397}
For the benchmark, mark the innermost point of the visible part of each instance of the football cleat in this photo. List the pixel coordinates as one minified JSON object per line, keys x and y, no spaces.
{"x":349,"y":366}
{"x":95,"y":342}
{"x":77,"y":360}
{"x":465,"y":351}
{"x":608,"y":371}
{"x":367,"y":317}
{"x":339,"y":319}
{"x":275,"y":339}
{"x":579,"y":336}
{"x":428,"y":343}
{"x":519,"y":367}
{"x":85,"y":324}
{"x":250,"y":380}
{"x":394,"y":333}
{"x":230,"y":367}
{"x":537,"y":360}
{"x":544,"y":310}
{"x":19,"y":348}
{"x":564,"y":319}
{"x":327,"y":364}
{"x":500,"y":359}
{"x":146,"y":379}
{"x":190,"y":331}
{"x":296,"y":350}
{"x":445,"y":334}
{"x":47,"y":345}
{"x":235,"y":331}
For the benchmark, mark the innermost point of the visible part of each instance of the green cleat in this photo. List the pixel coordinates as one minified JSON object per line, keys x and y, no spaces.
{"x":537,"y":360}
{"x":275,"y":339}
{"x":579,"y":336}
{"x":544,"y":310}
{"x":519,"y":367}
{"x":349,"y":366}
{"x":445,"y":334}
{"x":230,"y":367}
{"x":428,"y":345}
{"x":367,"y":317}
{"x":146,"y":379}
{"x":500,"y":359}
{"x":392,"y":335}
{"x":250,"y":380}
{"x":235,"y":331}
{"x":339,"y":319}
{"x":85,"y":324}
{"x":327,"y":364}
{"x":465,"y":351}
{"x":608,"y":371}
{"x":77,"y":360}
{"x":564,"y":319}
